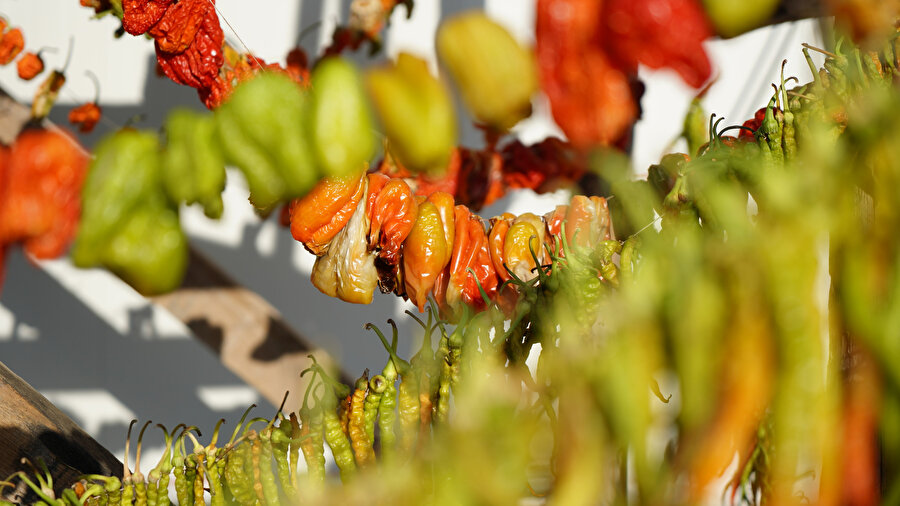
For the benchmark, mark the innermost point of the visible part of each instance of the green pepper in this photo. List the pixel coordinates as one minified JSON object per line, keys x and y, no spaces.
{"x":416,"y":112}
{"x":127,"y":223}
{"x":192,"y":165}
{"x":377,"y":388}
{"x":494,"y":73}
{"x":340,"y":120}
{"x":238,"y":476}
{"x":262,"y":131}
{"x":694,"y":126}
{"x":123,"y":173}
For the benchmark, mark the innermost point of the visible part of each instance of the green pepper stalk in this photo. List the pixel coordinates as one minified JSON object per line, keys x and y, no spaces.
{"x":261,"y":451}
{"x":280,"y":442}
{"x":238,"y":473}
{"x":112,"y":487}
{"x":127,"y":480}
{"x":790,"y":141}
{"x":213,"y":470}
{"x":49,"y":499}
{"x":377,"y":388}
{"x":196,"y":470}
{"x":184,"y":469}
{"x":294,"y":455}
{"x":140,"y":486}
{"x":449,"y":353}
{"x":153,"y":477}
{"x":388,"y":402}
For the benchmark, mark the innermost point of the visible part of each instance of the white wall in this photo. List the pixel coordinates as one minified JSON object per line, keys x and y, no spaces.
{"x":104,"y":355}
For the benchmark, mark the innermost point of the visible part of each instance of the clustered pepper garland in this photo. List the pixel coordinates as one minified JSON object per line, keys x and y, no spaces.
{"x":374,"y":231}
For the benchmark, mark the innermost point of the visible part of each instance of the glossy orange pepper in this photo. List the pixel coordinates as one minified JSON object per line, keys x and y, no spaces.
{"x":554,"y":220}
{"x":424,"y":252}
{"x":392,"y":217}
{"x":470,"y":250}
{"x":524,"y":236}
{"x":322,"y":213}
{"x":587,"y":221}
{"x":444,"y":203}
{"x":496,"y":239}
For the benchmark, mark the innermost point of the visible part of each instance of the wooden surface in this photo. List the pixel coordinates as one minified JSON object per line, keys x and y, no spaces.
{"x":249,"y":335}
{"x":32,"y":427}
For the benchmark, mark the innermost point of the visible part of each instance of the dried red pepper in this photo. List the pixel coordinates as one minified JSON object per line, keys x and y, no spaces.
{"x":176,"y":30}
{"x":659,"y":34}
{"x":590,"y":96}
{"x":29,"y":66}
{"x":140,"y":15}
{"x":198,"y":65}
{"x":86,"y":116}
{"x":470,"y":251}
{"x":12,"y":42}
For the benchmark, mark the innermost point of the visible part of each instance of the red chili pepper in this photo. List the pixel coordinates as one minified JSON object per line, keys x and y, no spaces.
{"x":659,"y":34}
{"x":140,"y":15}
{"x":590,"y":96}
{"x":298,"y":65}
{"x":392,"y":216}
{"x":753,"y":124}
{"x":470,"y":251}
{"x":85,"y":116}
{"x":11,"y":44}
{"x":176,"y":30}
{"x":496,"y":239}
{"x":29,"y":66}
{"x":198,"y":65}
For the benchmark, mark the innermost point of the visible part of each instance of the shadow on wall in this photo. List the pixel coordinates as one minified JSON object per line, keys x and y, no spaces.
{"x":59,"y":345}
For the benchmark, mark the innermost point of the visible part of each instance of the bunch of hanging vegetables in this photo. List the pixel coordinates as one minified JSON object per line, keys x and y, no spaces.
{"x":724,"y":327}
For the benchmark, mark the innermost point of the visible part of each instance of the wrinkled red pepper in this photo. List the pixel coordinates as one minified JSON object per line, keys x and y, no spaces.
{"x":198,"y":65}
{"x":176,"y":30}
{"x":140,"y":15}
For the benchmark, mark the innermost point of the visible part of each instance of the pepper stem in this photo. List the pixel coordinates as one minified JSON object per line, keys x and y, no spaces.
{"x":238,"y":427}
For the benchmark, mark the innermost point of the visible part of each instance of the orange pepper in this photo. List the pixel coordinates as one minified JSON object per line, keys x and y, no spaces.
{"x":11,"y":44}
{"x":424,"y":252}
{"x":85,"y":116}
{"x":29,"y":66}
{"x":319,"y":215}
{"x":497,"y":237}
{"x":40,"y":200}
{"x":392,"y":217}
{"x":470,"y":250}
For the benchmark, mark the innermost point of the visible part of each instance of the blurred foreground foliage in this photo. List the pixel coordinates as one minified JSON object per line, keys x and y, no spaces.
{"x":748,"y":338}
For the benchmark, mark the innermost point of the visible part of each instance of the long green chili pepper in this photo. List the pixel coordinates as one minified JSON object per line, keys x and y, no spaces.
{"x":266,"y":475}
{"x":359,"y":440}
{"x":335,"y":437}
{"x":213,"y":469}
{"x":196,"y":469}
{"x":111,"y":485}
{"x":387,"y":407}
{"x":294,"y":454}
{"x":789,"y":135}
{"x":50,"y":500}
{"x":312,"y":435}
{"x":155,"y":474}
{"x":278,"y":440}
{"x":238,"y":477}
{"x":377,"y":388}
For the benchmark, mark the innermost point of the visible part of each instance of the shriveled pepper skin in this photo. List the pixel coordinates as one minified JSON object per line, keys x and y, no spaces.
{"x":324,"y":211}
{"x":12,"y":42}
{"x":424,"y":253}
{"x":496,"y":239}
{"x":140,"y":15}
{"x":86,"y":116}
{"x":198,"y":65}
{"x":470,"y":251}
{"x":392,"y":217}
{"x":179,"y":25}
